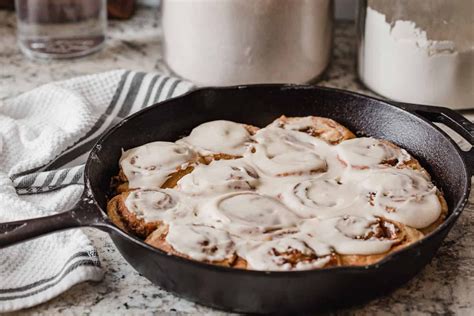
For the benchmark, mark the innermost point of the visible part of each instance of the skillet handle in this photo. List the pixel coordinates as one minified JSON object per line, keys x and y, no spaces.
{"x":450,"y":118}
{"x":82,"y":214}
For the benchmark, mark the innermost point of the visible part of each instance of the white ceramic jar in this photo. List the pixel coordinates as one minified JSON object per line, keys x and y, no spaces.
{"x":228,"y":42}
{"x":418,"y":51}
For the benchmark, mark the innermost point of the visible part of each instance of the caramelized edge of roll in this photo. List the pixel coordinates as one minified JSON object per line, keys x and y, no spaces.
{"x":119,"y":183}
{"x":127,"y":220}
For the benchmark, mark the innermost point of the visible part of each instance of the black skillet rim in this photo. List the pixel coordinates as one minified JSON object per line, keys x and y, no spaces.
{"x":452,"y":217}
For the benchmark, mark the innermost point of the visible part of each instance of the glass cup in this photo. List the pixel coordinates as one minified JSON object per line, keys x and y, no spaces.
{"x":60,"y":28}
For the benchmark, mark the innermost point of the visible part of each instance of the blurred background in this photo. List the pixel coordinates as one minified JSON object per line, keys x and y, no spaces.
{"x":411,"y":51}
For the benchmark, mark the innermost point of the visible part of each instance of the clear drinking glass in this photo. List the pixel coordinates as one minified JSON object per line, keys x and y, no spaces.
{"x":60,"y":28}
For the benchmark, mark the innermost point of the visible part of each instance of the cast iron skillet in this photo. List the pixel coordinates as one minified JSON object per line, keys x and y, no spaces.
{"x":252,"y":291}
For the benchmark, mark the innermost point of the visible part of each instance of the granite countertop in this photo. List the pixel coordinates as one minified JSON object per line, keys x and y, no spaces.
{"x":445,"y":286}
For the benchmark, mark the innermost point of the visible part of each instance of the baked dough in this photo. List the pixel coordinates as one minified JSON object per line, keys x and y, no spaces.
{"x":302,"y":193}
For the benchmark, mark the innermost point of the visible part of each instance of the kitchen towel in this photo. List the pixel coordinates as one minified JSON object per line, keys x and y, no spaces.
{"x":45,"y":136}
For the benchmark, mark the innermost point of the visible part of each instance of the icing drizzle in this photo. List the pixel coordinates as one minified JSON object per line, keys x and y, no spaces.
{"x":222,"y":137}
{"x":219,"y":176}
{"x":150,"y":165}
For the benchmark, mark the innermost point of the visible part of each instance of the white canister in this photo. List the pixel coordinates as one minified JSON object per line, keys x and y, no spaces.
{"x":418,"y":51}
{"x":228,"y":42}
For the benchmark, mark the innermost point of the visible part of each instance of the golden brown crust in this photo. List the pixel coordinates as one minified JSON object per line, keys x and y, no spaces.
{"x":322,"y":127}
{"x":209,"y":158}
{"x":114,"y":214}
{"x":127,"y":220}
{"x":251,"y":129}
{"x":292,"y":258}
{"x":175,"y":177}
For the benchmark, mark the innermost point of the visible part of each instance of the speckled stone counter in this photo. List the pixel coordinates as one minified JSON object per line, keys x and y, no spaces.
{"x":446,"y":286}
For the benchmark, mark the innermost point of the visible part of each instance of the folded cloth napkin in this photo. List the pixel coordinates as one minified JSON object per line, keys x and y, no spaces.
{"x":45,"y":136}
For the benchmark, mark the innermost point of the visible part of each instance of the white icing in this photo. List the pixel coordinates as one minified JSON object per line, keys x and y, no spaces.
{"x":221,"y":137}
{"x":353,"y":227}
{"x":366,"y":152}
{"x":219,"y":176}
{"x":403,"y":195}
{"x":200,"y":242}
{"x":290,"y":193}
{"x":321,"y":197}
{"x":150,"y":165}
{"x":248,"y":213}
{"x":276,"y":255}
{"x":295,"y":124}
{"x":158,"y":205}
{"x":279,"y":153}
{"x":340,"y":235}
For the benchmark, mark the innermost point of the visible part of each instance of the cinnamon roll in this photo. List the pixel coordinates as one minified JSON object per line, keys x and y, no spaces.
{"x":197,"y":242}
{"x":154,"y":165}
{"x":367,"y":152}
{"x":360,"y":240}
{"x":247,"y":213}
{"x":224,"y":138}
{"x":277,"y":152}
{"x":321,"y":127}
{"x":405,"y":196}
{"x":301,"y":193}
{"x":140,"y":212}
{"x":286,"y":254}
{"x":219,"y":176}
{"x":320,"y":197}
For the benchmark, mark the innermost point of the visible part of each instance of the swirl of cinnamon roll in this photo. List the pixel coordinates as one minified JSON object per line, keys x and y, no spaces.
{"x":285,"y":254}
{"x":248,"y":213}
{"x":279,"y":152}
{"x":219,"y":176}
{"x":319,"y":197}
{"x":320,"y":127}
{"x":352,"y":235}
{"x":200,"y":242}
{"x":219,"y":137}
{"x":157,"y":205}
{"x":403,"y":195}
{"x":150,"y":165}
{"x":142,"y":211}
{"x":366,"y":152}
{"x":362,"y":241}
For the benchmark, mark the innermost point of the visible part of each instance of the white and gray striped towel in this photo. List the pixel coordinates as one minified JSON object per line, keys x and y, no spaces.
{"x":45,"y":136}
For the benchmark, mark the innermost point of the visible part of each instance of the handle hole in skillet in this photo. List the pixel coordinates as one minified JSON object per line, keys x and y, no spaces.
{"x":460,"y":141}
